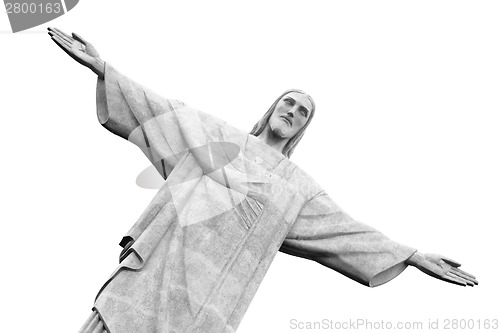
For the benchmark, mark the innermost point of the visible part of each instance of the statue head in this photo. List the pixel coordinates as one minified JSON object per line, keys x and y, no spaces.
{"x":287,"y":118}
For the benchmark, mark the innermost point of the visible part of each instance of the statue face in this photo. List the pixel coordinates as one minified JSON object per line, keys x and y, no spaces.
{"x":290,"y":115}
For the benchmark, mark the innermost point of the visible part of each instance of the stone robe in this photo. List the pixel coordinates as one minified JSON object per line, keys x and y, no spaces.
{"x":229,"y":203}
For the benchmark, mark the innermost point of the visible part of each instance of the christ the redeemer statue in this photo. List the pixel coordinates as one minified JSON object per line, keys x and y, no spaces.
{"x":230,"y":201}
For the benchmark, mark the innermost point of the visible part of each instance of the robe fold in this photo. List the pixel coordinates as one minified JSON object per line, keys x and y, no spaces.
{"x":196,"y":256}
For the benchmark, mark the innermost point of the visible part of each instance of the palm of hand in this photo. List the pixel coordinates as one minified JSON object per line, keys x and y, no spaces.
{"x":83,"y":50}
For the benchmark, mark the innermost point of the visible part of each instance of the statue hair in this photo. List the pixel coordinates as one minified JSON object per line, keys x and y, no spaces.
{"x":293,"y":141}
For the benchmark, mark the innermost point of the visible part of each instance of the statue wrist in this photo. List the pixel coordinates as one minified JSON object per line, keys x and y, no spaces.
{"x":98,"y":67}
{"x":416,"y":259}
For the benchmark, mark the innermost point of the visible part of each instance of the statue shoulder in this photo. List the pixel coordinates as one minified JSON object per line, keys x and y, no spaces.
{"x":304,"y":183}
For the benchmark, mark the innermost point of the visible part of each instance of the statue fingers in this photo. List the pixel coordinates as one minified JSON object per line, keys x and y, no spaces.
{"x":451,"y":262}
{"x":63,"y":46}
{"x":66,"y":39}
{"x":61,"y":43}
{"x":56,"y":32}
{"x":454,"y":279}
{"x":464,"y":272}
{"x":63,"y":34}
{"x":59,"y":38}
{"x":469,"y":282}
{"x":464,"y":275}
{"x":66,"y":43}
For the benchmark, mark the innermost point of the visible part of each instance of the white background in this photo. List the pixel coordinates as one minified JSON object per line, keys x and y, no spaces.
{"x":405,"y":139}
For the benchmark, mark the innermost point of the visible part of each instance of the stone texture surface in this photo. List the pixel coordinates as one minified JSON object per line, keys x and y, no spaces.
{"x":229,"y":203}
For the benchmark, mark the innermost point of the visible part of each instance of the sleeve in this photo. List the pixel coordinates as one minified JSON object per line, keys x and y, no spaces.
{"x":167,"y":131}
{"x":163,"y":129}
{"x":327,"y":235}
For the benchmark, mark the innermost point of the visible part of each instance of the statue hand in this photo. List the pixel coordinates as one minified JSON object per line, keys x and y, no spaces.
{"x":442,"y":268}
{"x":79,"y":49}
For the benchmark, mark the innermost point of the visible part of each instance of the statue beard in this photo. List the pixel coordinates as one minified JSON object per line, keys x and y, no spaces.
{"x":278,"y":131}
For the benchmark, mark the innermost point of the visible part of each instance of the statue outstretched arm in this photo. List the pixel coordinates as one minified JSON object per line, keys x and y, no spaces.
{"x":323,"y":232}
{"x":326,"y":234}
{"x":128,"y":109}
{"x":78,"y":49}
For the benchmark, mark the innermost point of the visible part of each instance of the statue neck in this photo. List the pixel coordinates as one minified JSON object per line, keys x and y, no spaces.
{"x":272,"y":140}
